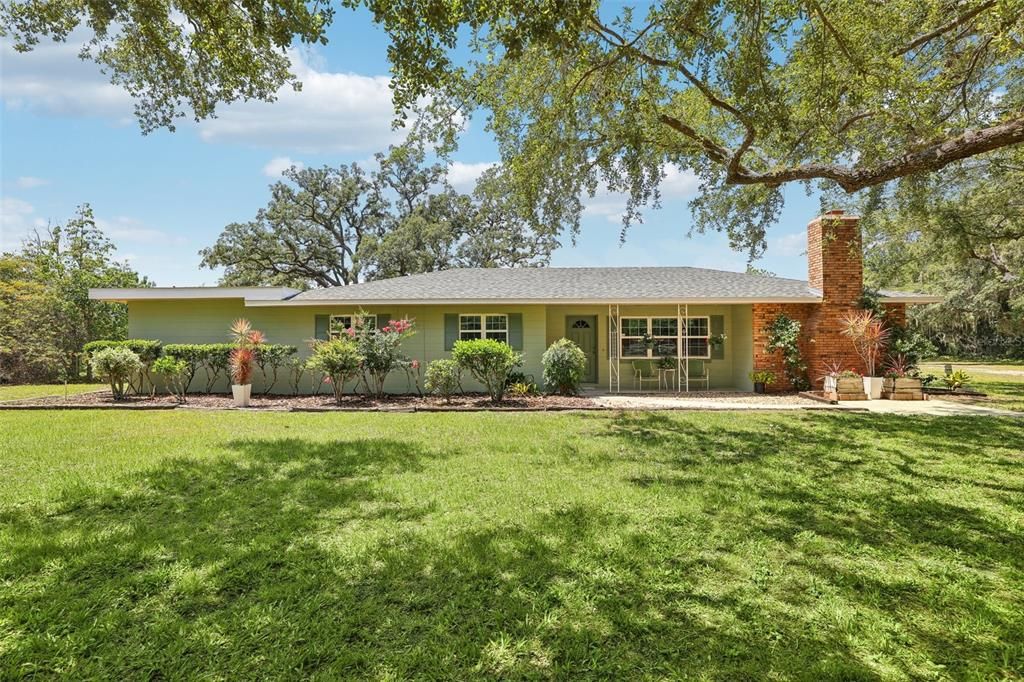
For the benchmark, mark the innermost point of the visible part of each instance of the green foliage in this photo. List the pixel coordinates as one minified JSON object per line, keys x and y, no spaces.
{"x":523,"y":389}
{"x":443,"y":378}
{"x":762,"y":376}
{"x":956,"y":379}
{"x":46,"y":315}
{"x":116,"y":365}
{"x":381,"y":352}
{"x":148,"y":350}
{"x":296,"y":370}
{"x":564,"y":367}
{"x":174,"y":374}
{"x":192,"y":353}
{"x":784,"y":335}
{"x":176,"y":58}
{"x":339,"y":360}
{"x":489,"y":361}
{"x":746,"y":96}
{"x":910,"y":344}
{"x":270,"y":359}
{"x":960,"y":234}
{"x":337,"y":226}
{"x":214,"y":358}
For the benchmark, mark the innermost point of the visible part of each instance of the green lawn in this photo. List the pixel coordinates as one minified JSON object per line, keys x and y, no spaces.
{"x":1002,"y":382}
{"x":451,"y":546}
{"x":40,"y":390}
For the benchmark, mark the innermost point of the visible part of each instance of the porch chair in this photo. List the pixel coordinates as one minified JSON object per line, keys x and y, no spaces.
{"x":698,"y":373}
{"x":643,"y":370}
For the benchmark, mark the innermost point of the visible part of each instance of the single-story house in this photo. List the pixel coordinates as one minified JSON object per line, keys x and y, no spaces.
{"x":713,"y":322}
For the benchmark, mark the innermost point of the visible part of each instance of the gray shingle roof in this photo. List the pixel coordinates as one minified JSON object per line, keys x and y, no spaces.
{"x":599,"y":285}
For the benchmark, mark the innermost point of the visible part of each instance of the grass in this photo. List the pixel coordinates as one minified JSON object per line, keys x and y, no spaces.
{"x":1002,"y":382}
{"x":21,"y":391}
{"x":456,"y":546}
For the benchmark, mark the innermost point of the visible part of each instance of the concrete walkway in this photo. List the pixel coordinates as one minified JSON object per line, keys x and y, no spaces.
{"x":937,"y":407}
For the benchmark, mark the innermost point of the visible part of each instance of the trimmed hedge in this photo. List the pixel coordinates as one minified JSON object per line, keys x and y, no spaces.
{"x":147,"y":350}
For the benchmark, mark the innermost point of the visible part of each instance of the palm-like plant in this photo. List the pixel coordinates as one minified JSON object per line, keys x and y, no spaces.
{"x":869,"y":335}
{"x":247,"y":341}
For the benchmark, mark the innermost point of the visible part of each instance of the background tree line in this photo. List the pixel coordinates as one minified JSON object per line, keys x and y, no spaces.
{"x":45,"y":312}
{"x":334,"y":226}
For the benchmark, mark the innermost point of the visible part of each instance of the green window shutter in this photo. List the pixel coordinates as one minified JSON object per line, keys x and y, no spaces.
{"x":515,"y":330}
{"x":717,"y":328}
{"x":323,"y":326}
{"x":382,"y":319}
{"x":451,"y":330}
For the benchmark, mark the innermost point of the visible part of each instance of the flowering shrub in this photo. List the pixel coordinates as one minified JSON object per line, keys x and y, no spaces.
{"x":443,"y":378}
{"x":784,"y":335}
{"x":489,"y":361}
{"x":117,"y":365}
{"x":175,"y":376}
{"x":381,"y":352}
{"x":564,"y":367}
{"x":338,"y":361}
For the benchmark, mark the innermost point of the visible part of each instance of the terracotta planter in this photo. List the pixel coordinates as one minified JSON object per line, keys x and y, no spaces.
{"x":241,"y":394}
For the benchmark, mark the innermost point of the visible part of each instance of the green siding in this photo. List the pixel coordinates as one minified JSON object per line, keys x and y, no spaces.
{"x":436,"y":328}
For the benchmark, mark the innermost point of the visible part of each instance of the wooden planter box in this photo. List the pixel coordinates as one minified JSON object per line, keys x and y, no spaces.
{"x":905,"y":388}
{"x":848,"y":388}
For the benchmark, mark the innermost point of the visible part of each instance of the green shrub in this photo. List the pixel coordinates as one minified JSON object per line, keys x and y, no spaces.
{"x":338,"y":360}
{"x":270,"y":358}
{"x":148,"y":350}
{"x":522,"y":389}
{"x":191,"y":353}
{"x":296,"y":370}
{"x":214,"y":359}
{"x":784,"y":335}
{"x":173,"y":372}
{"x":762,"y":376}
{"x":443,"y":378}
{"x":564,"y":367}
{"x":956,"y":380}
{"x":489,"y":361}
{"x":117,"y":365}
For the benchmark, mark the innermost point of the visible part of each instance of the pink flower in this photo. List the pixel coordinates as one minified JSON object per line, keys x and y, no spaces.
{"x":351,"y":332}
{"x":415,"y":364}
{"x":327,"y":380}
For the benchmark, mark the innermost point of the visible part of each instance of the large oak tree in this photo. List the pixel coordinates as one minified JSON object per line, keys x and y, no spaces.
{"x":749,"y":94}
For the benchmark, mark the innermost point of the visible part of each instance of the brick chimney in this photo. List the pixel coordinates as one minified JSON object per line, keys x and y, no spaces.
{"x":835,"y":260}
{"x":835,"y":266}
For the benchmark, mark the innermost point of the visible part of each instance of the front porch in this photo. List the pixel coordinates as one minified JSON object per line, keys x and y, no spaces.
{"x":665,"y":349}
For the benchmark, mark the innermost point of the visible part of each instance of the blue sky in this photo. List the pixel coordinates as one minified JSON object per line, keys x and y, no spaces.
{"x":67,"y":137}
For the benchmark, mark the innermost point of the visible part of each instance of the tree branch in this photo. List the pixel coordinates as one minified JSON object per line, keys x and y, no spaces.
{"x":945,"y":28}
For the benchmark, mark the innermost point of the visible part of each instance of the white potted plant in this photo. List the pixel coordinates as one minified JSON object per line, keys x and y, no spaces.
{"x":869,"y":335}
{"x":247,"y":341}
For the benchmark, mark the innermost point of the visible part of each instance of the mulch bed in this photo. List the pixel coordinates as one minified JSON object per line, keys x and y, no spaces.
{"x":308,"y":403}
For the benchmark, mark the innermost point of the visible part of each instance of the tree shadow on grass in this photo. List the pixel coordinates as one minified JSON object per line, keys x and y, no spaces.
{"x":293,"y":559}
{"x":912,"y":523}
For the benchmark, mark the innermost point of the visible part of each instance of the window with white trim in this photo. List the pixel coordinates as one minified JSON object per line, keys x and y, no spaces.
{"x":660,"y":337}
{"x":340,"y":323}
{"x":483,"y":327}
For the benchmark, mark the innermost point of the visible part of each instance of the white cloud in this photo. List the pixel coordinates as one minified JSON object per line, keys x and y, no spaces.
{"x":17,"y":220}
{"x":29,"y":182}
{"x":463,"y":176}
{"x":124,"y":229}
{"x":278,"y":165}
{"x":677,"y":184}
{"x":794,"y":244}
{"x":334,"y":112}
{"x":52,"y":79}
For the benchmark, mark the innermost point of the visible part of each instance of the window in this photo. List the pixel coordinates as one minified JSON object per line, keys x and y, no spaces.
{"x":339,"y":323}
{"x":659,"y":337}
{"x":483,"y":327}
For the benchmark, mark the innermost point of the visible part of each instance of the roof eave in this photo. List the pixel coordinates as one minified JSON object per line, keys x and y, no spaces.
{"x":310,"y":302}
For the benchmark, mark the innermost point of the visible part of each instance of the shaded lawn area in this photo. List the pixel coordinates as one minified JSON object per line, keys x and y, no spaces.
{"x":1002,"y":382}
{"x":390,"y":546}
{"x":21,"y":391}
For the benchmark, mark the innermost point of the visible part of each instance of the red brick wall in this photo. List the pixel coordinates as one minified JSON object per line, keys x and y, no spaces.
{"x":835,"y":267}
{"x":896,"y":314}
